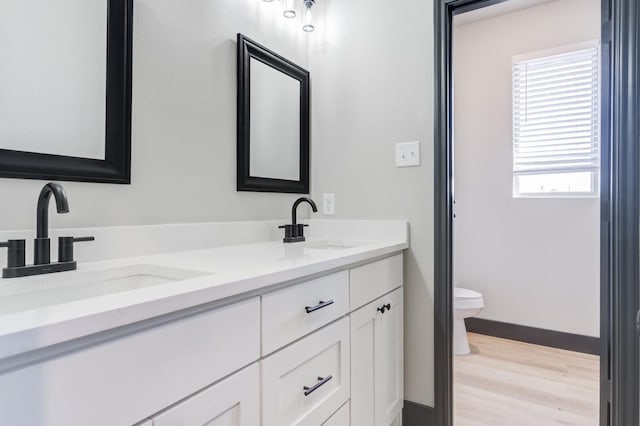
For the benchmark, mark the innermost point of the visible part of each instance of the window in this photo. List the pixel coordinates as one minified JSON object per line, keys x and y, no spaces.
{"x":556,"y":123}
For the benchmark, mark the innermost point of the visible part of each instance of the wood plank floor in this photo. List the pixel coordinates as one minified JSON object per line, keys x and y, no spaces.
{"x":509,"y":383}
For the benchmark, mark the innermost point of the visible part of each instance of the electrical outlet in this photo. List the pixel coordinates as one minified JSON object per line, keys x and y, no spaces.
{"x":328,"y":204}
{"x":407,"y":154}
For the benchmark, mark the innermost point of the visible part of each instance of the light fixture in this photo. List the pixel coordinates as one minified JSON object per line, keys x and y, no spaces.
{"x":289,"y":10}
{"x":307,"y":24}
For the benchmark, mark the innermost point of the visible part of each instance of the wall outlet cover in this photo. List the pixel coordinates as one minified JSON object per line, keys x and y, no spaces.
{"x":407,"y":154}
{"x":328,"y":204}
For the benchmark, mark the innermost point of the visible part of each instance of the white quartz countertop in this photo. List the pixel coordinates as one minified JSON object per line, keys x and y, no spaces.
{"x":223,"y":272}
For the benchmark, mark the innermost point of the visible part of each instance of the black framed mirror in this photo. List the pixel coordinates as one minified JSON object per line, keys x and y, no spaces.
{"x":273,"y":121}
{"x":65,"y":108}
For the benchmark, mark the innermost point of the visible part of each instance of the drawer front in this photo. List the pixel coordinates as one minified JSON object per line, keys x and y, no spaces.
{"x":295,"y":311}
{"x":138,"y":374}
{"x":341,"y":418}
{"x":308,"y":381}
{"x":235,"y":401}
{"x":368,"y":282}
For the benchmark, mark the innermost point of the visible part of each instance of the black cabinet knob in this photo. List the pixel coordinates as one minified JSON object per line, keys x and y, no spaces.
{"x":384,"y":308}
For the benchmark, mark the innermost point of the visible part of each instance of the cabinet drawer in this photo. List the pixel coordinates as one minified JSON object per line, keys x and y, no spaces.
{"x":136,"y":375}
{"x":341,"y":418}
{"x":233,"y":401}
{"x":317,"y":366}
{"x":295,"y":311}
{"x":371,"y":281}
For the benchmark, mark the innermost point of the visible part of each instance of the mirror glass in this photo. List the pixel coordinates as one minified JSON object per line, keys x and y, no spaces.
{"x":275,"y":123}
{"x":53,"y":77}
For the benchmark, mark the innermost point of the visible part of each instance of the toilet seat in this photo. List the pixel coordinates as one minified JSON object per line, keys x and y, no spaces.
{"x":463,"y":293}
{"x":467,"y":299}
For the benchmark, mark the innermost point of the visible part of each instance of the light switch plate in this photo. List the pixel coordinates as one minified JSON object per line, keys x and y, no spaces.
{"x":328,"y":204}
{"x":407,"y":154}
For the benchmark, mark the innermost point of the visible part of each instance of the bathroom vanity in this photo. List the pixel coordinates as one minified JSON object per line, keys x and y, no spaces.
{"x":261,"y":333}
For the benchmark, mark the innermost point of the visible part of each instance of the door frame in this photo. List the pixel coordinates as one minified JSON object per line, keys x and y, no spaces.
{"x":619,"y":212}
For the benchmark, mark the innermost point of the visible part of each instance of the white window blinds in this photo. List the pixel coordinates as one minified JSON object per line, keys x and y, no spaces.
{"x":555,"y":113}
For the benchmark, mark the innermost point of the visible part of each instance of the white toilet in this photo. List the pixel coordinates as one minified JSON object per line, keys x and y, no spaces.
{"x":466,"y":303}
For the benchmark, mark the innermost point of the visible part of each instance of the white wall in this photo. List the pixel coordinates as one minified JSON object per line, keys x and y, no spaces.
{"x":372,"y":78}
{"x":536,"y":261}
{"x":184,"y":122}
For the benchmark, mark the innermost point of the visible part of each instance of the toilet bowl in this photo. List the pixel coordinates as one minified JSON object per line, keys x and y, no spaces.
{"x":466,"y":303}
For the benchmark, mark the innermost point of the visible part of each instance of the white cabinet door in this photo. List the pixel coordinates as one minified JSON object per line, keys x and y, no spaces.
{"x":377,"y":361}
{"x":389,"y":356}
{"x":235,"y":401}
{"x":339,"y":418}
{"x":363,"y":327}
{"x":397,"y":421}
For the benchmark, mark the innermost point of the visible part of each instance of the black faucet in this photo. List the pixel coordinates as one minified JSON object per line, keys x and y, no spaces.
{"x":294,"y":232}
{"x":41,"y":253}
{"x":42,"y":245}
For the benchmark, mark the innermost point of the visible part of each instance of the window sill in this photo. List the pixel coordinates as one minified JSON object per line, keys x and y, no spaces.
{"x":555,"y":196}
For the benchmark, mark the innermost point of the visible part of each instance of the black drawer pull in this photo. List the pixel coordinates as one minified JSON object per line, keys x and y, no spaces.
{"x":321,"y":381}
{"x":320,"y":305}
{"x":384,"y":308}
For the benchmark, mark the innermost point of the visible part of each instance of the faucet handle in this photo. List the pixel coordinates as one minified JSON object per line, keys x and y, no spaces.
{"x":16,"y":253}
{"x":65,"y":247}
{"x":288,"y":232}
{"x":83,"y":239}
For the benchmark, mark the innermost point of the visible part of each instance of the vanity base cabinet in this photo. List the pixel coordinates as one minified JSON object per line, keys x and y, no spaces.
{"x":328,"y":351}
{"x":235,"y":401}
{"x":377,"y":362}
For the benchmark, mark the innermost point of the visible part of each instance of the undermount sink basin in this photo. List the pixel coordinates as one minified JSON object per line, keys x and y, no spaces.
{"x":36,"y":292}
{"x":330,"y":245}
